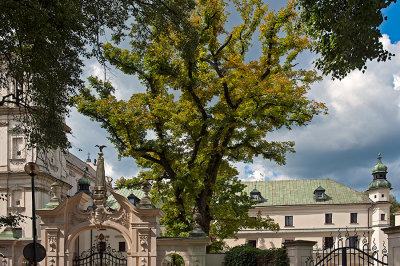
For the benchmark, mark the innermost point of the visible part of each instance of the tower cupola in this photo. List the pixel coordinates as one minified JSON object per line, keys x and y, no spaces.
{"x":84,"y":183}
{"x":379,"y":172}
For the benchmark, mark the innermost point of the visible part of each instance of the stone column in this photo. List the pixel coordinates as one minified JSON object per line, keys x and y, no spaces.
{"x":393,"y":245}
{"x":299,"y":251}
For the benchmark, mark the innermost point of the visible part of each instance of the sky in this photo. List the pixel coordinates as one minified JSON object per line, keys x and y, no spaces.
{"x":363,"y":120}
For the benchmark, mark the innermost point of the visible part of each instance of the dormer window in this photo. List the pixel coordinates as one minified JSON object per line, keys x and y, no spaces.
{"x":133,"y":199}
{"x":319,"y":194}
{"x":256,"y":195}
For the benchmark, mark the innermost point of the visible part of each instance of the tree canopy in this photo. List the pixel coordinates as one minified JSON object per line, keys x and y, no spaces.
{"x":394,"y":207}
{"x":43,"y":44}
{"x":347,"y":33}
{"x":206,"y":107}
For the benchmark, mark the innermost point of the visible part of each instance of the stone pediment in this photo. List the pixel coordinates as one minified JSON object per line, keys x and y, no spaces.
{"x":81,"y":209}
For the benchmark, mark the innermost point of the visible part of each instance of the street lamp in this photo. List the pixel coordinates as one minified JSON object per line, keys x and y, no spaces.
{"x":32,"y":169}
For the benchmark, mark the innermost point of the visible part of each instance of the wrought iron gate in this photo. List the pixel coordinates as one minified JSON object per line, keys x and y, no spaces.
{"x":100,"y":255}
{"x":348,"y":251}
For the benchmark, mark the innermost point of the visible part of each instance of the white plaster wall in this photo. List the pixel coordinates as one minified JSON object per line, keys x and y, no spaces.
{"x":215,"y":259}
{"x":381,"y":194}
{"x":397,"y":218}
{"x":3,"y":147}
{"x":308,"y":224}
{"x":376,"y":214}
{"x":310,"y":217}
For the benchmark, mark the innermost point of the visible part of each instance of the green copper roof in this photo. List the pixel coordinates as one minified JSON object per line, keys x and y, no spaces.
{"x":8,"y":233}
{"x":301,"y":192}
{"x":379,"y":167}
{"x":51,"y":205}
{"x":84,"y":181}
{"x":379,"y":183}
{"x":125,"y":192}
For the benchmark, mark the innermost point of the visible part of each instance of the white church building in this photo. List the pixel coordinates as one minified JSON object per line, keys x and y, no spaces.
{"x":320,"y":210}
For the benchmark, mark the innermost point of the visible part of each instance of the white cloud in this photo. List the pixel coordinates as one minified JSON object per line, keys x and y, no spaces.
{"x":363,"y":119}
{"x":109,"y":169}
{"x":258,"y":172}
{"x":396,"y":82}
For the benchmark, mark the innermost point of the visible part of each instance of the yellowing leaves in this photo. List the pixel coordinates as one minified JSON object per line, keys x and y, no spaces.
{"x":207,"y":105}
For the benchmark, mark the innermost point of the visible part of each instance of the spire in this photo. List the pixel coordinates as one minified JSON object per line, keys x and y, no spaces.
{"x":88,"y":160}
{"x":100,"y":189}
{"x":100,"y":172}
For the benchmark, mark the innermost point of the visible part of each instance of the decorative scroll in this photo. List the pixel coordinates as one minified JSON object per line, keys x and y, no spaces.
{"x":143,"y":239}
{"x":349,"y":251}
{"x":100,"y":214}
{"x":53,"y":243}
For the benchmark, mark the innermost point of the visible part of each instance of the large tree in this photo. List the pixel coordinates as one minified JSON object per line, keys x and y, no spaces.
{"x":43,"y":45}
{"x":207,"y":106}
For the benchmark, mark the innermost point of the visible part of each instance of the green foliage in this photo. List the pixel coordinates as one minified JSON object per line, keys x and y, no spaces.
{"x":249,"y":256}
{"x":394,"y":207}
{"x":12,"y":220}
{"x":206,"y":107}
{"x":175,"y":260}
{"x":274,"y":256}
{"x":347,"y":33}
{"x":42,"y":47}
{"x":216,"y":246}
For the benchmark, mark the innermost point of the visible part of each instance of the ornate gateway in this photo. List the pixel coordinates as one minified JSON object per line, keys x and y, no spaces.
{"x":100,"y":255}
{"x":348,"y":251}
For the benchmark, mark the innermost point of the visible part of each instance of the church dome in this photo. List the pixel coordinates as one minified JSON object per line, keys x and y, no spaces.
{"x":84,"y":181}
{"x":379,"y":172}
{"x":379,"y":167}
{"x":379,"y":183}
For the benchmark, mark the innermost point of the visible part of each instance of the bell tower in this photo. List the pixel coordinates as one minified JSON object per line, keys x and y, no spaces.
{"x":380,"y":187}
{"x":379,"y":194}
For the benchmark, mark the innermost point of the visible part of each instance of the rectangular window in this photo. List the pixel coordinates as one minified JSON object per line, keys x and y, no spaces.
{"x":121,"y":246}
{"x":288,"y":220}
{"x":252,"y":243}
{"x":328,"y":242}
{"x":17,"y":148}
{"x":18,"y":232}
{"x":353,"y":242}
{"x":383,"y":217}
{"x":328,"y":218}
{"x":353,"y":218}
{"x":288,"y":240}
